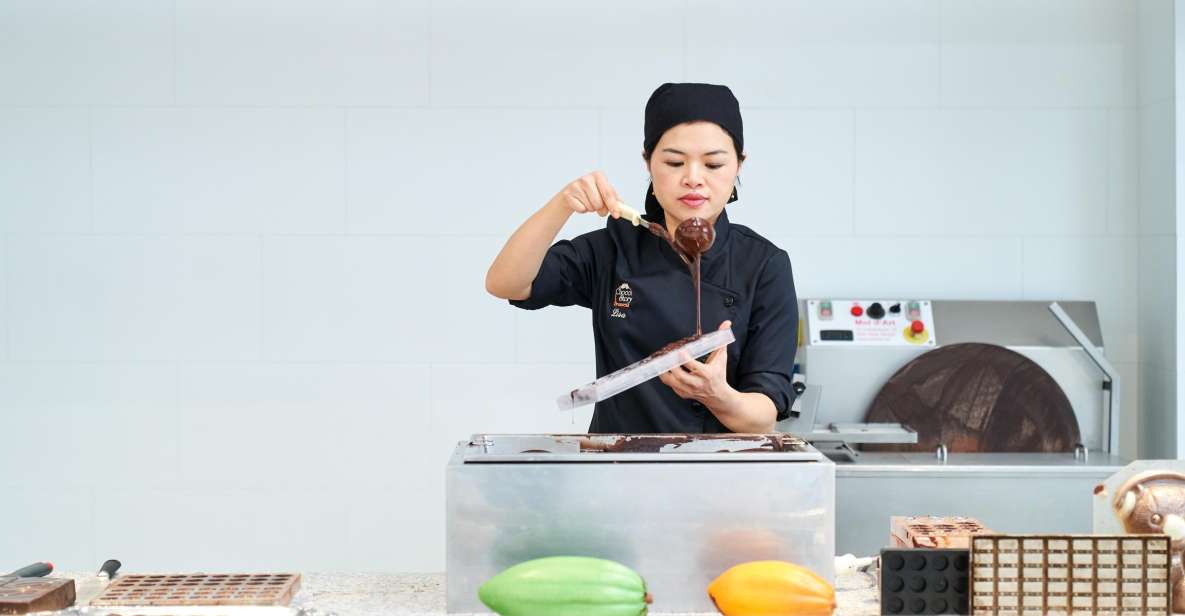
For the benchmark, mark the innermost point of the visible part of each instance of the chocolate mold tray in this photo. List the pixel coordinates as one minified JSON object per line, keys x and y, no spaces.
{"x":934,"y":531}
{"x":643,"y":370}
{"x":1070,"y":574}
{"x":924,"y":581}
{"x":200,"y":589}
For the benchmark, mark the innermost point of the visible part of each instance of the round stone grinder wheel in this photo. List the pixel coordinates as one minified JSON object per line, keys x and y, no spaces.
{"x":976,"y":398}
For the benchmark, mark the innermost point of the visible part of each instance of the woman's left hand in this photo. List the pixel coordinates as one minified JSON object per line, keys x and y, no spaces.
{"x":704,"y":382}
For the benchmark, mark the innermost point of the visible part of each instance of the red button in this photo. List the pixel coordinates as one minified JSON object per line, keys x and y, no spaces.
{"x":857,"y":311}
{"x":917,"y":327}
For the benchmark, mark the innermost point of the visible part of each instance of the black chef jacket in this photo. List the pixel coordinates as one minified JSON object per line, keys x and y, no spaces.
{"x":641,"y":298}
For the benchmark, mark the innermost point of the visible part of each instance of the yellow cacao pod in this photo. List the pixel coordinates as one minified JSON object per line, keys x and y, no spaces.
{"x":772,"y":588}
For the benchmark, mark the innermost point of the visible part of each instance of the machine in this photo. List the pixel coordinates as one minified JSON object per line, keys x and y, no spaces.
{"x":1004,"y":411}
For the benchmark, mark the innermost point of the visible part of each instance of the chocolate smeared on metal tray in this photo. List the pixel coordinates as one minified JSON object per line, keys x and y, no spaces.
{"x":690,"y":443}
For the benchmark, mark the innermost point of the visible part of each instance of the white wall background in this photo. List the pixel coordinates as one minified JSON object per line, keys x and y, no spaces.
{"x":1158,"y":229}
{"x":243,"y":243}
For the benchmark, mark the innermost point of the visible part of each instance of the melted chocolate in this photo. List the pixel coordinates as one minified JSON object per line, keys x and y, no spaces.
{"x":660,"y":231}
{"x":693,"y":237}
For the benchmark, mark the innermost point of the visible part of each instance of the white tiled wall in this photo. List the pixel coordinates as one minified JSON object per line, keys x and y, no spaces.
{"x":169,"y":170}
{"x":1158,"y":286}
{"x":243,"y":243}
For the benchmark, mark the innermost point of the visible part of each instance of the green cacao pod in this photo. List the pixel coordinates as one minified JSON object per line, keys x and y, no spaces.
{"x":566,"y":586}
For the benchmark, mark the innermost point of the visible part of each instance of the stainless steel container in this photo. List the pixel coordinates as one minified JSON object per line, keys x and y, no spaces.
{"x":678,"y":509}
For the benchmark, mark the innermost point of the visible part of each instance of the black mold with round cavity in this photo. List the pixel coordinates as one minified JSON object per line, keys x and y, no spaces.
{"x":924,"y":581}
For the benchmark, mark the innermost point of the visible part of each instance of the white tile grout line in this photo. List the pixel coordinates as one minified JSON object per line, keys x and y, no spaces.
{"x":5,"y":288}
{"x":346,"y":170}
{"x":93,"y":500}
{"x":1021,"y":240}
{"x":538,"y":108}
{"x":261,"y":303}
{"x":181,"y":364}
{"x":686,"y":10}
{"x":173,"y":72}
{"x":941,"y":45}
{"x":476,"y":236}
{"x":852,"y":179}
{"x":90,"y":143}
{"x":428,"y":57}
{"x":179,"y":420}
{"x":600,"y":138}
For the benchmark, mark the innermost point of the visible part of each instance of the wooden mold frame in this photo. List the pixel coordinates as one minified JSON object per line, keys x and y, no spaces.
{"x":200,"y":589}
{"x":24,"y":595}
{"x":1022,"y":575}
{"x":934,"y":532}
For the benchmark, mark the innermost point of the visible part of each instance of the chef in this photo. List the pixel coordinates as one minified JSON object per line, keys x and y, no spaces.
{"x":640,"y":291}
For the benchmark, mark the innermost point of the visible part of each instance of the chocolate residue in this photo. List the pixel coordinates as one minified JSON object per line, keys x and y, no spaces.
{"x":654,"y":443}
{"x":674,"y":345}
{"x":660,"y":231}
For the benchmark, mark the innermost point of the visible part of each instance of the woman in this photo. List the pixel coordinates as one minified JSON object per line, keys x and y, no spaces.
{"x":640,"y":291}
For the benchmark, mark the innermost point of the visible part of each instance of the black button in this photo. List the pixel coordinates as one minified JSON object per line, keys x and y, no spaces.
{"x":729,"y":301}
{"x":876,"y":311}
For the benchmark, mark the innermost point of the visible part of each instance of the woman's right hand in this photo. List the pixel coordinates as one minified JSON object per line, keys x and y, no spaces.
{"x":590,"y":193}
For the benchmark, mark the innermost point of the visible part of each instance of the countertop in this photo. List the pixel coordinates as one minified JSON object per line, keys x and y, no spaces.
{"x":388,"y":594}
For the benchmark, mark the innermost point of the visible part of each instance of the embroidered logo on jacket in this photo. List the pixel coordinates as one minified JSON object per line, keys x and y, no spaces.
{"x":623,"y":296}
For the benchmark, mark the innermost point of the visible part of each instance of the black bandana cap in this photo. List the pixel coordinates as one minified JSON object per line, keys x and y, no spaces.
{"x":673,"y":104}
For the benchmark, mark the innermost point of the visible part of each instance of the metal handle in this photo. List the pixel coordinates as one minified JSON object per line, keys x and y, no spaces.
{"x":34,"y":570}
{"x":941,"y":452}
{"x":109,"y":568}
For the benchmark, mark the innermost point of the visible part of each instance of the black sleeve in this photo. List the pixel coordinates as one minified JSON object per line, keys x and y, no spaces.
{"x":566,"y":277}
{"x":767,"y":363}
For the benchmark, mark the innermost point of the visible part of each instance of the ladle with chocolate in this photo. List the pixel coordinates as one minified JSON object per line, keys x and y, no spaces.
{"x":693,"y":237}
